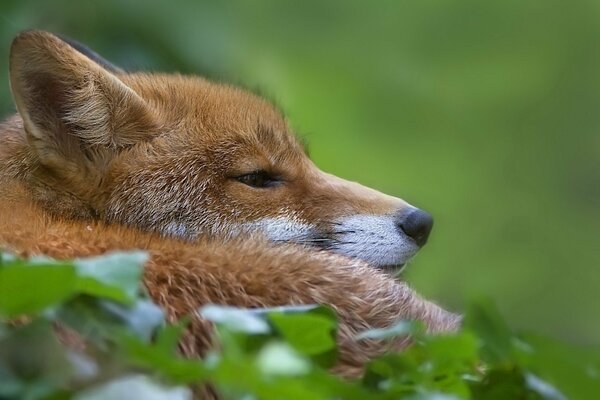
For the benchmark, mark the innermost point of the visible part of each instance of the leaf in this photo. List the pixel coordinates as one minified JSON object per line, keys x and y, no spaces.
{"x":574,"y":371}
{"x":308,"y":333}
{"x":299,"y":309}
{"x":30,"y":289}
{"x":116,"y":275}
{"x":142,"y":317}
{"x":134,"y":386}
{"x":6,"y":258}
{"x":392,"y":369}
{"x":235,"y":319}
{"x":168,"y":337}
{"x":280,"y":359}
{"x":400,"y":328}
{"x":99,"y":320}
{"x":97,"y":288}
{"x":544,"y":389}
{"x":33,"y":364}
{"x":495,"y":336}
{"x":155,"y":358}
{"x":452,"y":352}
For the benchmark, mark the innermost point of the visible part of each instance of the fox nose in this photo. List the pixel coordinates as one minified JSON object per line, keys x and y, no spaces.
{"x":416,"y":224}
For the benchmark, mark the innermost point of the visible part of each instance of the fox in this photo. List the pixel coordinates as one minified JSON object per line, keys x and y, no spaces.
{"x":212,"y":182}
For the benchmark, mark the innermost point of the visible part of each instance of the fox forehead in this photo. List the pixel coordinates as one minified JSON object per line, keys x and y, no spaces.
{"x":202,"y":112}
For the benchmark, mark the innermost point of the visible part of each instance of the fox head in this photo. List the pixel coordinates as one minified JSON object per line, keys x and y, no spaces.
{"x":187,"y":157}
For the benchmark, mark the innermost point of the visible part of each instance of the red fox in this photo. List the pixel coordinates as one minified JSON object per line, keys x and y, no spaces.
{"x":212,"y":182}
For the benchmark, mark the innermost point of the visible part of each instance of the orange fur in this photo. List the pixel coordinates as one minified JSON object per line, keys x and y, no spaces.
{"x":100,"y":161}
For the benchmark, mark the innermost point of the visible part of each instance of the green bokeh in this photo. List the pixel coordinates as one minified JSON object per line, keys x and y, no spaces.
{"x":484,"y":113}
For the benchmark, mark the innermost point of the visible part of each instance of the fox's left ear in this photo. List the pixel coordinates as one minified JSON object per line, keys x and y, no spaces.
{"x":75,"y":110}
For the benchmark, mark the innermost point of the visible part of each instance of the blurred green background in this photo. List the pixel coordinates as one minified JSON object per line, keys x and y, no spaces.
{"x":486,"y":114}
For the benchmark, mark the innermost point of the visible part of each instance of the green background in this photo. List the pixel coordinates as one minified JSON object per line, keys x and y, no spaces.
{"x":486,"y":114}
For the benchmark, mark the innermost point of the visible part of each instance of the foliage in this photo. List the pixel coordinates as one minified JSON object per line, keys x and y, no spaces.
{"x":278,"y":353}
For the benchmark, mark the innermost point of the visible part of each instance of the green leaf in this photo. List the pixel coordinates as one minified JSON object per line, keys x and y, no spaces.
{"x":168,"y":337}
{"x":400,"y":328}
{"x":574,"y":371}
{"x":544,"y":389}
{"x":97,"y":288}
{"x":495,"y":336}
{"x":452,"y":352}
{"x":298,"y":309}
{"x":308,"y":333}
{"x":116,"y":275}
{"x":501,"y":383}
{"x":280,"y":359}
{"x":30,"y":289}
{"x":134,"y":386}
{"x":143,"y":317}
{"x":235,"y":319}
{"x":33,"y":364}
{"x":155,"y":358}
{"x":6,"y":258}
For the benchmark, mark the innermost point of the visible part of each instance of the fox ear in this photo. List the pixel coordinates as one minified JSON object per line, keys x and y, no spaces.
{"x":75,"y":110}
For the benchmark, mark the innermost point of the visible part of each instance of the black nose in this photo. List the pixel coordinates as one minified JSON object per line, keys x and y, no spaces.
{"x":416,"y":224}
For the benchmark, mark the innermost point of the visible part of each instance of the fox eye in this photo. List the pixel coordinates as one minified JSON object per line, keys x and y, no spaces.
{"x":258,"y":179}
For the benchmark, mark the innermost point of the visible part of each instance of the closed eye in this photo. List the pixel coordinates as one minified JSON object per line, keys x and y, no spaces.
{"x":259,"y":179}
